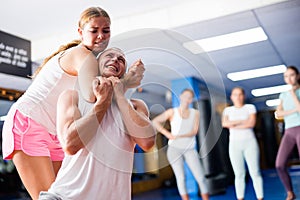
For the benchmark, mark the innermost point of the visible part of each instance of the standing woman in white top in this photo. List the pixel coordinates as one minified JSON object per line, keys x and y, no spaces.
{"x":181,"y":146}
{"x":29,"y":132}
{"x":240,"y":119}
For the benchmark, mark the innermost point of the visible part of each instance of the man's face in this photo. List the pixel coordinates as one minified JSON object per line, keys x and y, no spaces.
{"x":112,"y":63}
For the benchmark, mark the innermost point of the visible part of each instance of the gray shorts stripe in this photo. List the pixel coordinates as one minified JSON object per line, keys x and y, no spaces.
{"x":48,"y":196}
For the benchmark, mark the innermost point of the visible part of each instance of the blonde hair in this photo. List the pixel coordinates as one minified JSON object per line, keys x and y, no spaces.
{"x":85,"y":17}
{"x":90,"y":13}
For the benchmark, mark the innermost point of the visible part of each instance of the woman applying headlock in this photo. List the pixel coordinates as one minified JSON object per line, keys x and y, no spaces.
{"x":289,"y":109}
{"x":29,"y":132}
{"x":240,"y":119}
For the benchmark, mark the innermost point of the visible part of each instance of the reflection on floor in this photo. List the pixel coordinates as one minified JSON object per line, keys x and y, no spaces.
{"x":273,"y":189}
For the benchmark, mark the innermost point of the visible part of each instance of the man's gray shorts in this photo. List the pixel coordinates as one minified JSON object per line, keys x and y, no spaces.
{"x":48,"y":196}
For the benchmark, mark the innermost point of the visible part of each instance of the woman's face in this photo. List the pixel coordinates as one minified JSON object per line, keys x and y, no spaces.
{"x":96,"y":34}
{"x":237,"y":97}
{"x":290,"y":77}
{"x":112,"y":63}
{"x":186,"y":98}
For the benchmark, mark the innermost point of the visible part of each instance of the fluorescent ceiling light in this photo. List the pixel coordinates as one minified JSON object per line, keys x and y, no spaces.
{"x":270,"y":90}
{"x":226,"y":41}
{"x":273,"y":102}
{"x":255,"y":73}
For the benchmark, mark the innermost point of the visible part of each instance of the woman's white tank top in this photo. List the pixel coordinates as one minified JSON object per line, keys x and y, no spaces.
{"x":181,"y":126}
{"x":40,"y":100}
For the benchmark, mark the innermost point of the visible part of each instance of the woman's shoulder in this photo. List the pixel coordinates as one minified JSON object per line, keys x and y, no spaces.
{"x":77,"y":52}
{"x":194,"y":110}
{"x":228,"y":108}
{"x":77,"y":57}
{"x":170,"y":111}
{"x":249,"y":105}
{"x":284,"y":93}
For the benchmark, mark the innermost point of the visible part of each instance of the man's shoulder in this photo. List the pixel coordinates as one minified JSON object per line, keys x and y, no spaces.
{"x":137,"y":102}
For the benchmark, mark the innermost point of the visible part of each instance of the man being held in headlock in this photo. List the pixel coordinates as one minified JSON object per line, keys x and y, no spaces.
{"x":99,"y":138}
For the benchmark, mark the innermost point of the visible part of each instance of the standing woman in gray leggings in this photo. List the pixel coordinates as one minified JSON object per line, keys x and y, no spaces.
{"x":181,"y":146}
{"x":289,"y":109}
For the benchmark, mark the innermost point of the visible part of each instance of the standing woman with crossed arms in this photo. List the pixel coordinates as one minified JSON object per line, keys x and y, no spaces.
{"x":29,"y":132}
{"x":240,"y":119}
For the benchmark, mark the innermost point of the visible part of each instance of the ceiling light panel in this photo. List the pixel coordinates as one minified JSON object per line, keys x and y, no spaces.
{"x":226,"y":41}
{"x":255,"y":73}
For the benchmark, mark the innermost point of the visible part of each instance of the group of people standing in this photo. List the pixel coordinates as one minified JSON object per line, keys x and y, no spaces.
{"x":240,"y":119}
{"x":72,"y":134}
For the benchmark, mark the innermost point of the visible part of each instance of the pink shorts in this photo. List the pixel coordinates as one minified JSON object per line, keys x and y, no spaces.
{"x":33,"y":139}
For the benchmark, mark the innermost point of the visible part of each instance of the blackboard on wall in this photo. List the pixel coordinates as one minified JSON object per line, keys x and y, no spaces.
{"x":15,"y":55}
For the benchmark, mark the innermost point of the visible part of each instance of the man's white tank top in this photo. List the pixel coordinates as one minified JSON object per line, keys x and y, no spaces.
{"x":103,"y":169}
{"x":180,"y":126}
{"x":40,"y":100}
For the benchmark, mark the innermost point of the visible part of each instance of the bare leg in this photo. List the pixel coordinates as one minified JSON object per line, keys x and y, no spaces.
{"x":36,"y":173}
{"x":290,"y":195}
{"x":56,"y":166}
{"x":205,"y":196}
{"x":185,"y":197}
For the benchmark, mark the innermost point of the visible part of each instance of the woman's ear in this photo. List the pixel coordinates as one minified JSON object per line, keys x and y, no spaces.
{"x":79,"y":30}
